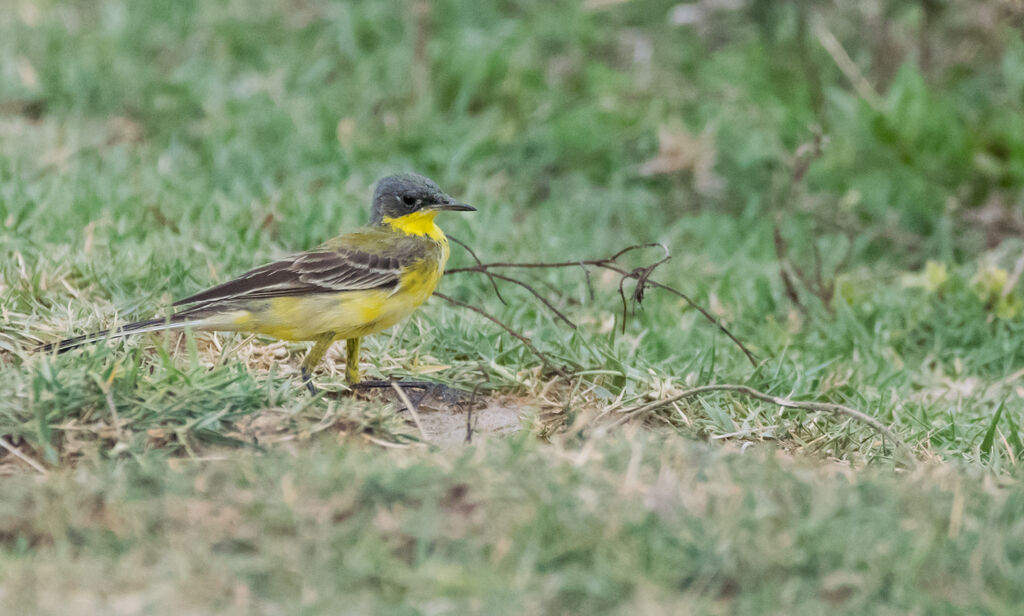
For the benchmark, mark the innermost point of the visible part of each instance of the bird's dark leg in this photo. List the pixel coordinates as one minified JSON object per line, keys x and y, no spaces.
{"x":323,"y":342}
{"x":307,"y":378}
{"x":439,"y":391}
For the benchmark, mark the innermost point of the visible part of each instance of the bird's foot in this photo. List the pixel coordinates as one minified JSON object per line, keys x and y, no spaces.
{"x":307,"y":380}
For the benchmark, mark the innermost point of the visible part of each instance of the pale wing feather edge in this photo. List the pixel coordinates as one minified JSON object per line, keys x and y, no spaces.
{"x":316,"y":272}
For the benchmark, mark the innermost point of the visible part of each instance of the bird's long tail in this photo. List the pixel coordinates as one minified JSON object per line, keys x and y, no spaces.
{"x":176,"y":321}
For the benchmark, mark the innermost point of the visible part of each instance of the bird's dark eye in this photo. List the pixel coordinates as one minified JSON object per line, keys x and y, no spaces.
{"x":409,"y":200}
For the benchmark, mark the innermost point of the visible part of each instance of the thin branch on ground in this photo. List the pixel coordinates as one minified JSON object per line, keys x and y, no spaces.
{"x":520,"y":337}
{"x":472,"y":253}
{"x":812,"y":279}
{"x":550,"y":306}
{"x":469,"y":409}
{"x":825,"y":407}
{"x":787,"y":281}
{"x":642,"y":276}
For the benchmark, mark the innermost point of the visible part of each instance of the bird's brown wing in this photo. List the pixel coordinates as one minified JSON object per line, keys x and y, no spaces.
{"x":344,"y":266}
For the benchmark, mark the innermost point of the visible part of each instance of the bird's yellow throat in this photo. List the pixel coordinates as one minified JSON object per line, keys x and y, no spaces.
{"x":418,"y":223}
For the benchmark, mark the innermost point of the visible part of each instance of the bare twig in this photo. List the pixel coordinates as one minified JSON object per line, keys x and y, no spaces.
{"x":526,"y":341}
{"x":787,"y":280}
{"x":782,"y":254}
{"x":804,"y":157}
{"x":813,"y":281}
{"x":469,"y":410}
{"x":654,"y":283}
{"x":479,"y":262}
{"x":790,"y":272}
{"x":826,"y":407}
{"x":590,"y":283}
{"x":628,"y":249}
{"x":17,"y":454}
{"x":642,"y":275}
{"x":555,"y":264}
{"x":550,"y":306}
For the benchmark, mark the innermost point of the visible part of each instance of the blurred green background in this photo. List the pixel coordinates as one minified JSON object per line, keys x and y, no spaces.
{"x":841,"y":184}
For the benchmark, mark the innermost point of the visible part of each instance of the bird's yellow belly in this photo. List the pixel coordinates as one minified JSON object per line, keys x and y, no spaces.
{"x":349,"y":314}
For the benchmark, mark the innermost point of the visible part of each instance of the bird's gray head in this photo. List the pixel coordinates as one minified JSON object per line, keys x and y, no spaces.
{"x":405,"y":193}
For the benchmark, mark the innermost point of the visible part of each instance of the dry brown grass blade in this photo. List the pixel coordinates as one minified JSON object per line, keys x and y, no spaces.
{"x":825,"y":407}
{"x":412,"y":410}
{"x":24,"y":458}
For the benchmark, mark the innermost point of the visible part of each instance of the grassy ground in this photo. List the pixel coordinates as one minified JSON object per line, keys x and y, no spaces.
{"x":840,"y":187}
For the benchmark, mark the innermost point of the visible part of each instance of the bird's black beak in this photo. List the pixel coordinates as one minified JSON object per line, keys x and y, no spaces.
{"x":452,"y":206}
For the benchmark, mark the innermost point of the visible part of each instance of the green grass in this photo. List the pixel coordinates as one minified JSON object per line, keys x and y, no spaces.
{"x":148,"y":149}
{"x":640,"y":523}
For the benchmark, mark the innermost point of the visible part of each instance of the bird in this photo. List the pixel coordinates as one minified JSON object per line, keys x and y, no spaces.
{"x":349,"y":287}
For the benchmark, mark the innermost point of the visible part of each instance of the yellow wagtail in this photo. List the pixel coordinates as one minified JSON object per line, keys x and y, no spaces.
{"x":351,"y":286}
